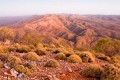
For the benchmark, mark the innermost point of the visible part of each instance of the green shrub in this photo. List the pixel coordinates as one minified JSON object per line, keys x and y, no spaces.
{"x":74,"y":59}
{"x":31,"y":56}
{"x":111,"y":73}
{"x":86,"y":56}
{"x":108,"y":46}
{"x":32,"y":38}
{"x":60,"y":56}
{"x":52,"y":63}
{"x":92,"y":71}
{"x":103,"y":57}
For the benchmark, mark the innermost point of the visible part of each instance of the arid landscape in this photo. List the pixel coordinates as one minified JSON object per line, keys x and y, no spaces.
{"x":60,"y":47}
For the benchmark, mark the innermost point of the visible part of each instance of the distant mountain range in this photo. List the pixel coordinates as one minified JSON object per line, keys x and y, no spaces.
{"x":74,"y":30}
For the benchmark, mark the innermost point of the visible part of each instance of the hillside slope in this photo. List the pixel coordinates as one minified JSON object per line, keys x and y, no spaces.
{"x":74,"y":30}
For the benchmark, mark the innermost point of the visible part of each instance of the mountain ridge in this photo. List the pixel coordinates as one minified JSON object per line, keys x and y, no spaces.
{"x":76,"y":29}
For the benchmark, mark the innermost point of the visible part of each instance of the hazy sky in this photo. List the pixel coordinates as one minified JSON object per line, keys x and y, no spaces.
{"x":35,"y":7}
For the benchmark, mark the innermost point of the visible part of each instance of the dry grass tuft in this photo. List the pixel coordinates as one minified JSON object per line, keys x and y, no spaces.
{"x":92,"y":71}
{"x":60,"y":56}
{"x":74,"y":59}
{"x":31,"y":56}
{"x":52,"y":63}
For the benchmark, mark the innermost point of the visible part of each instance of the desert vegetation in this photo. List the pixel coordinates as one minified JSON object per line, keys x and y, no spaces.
{"x":27,"y":58}
{"x":38,"y":54}
{"x":52,"y":63}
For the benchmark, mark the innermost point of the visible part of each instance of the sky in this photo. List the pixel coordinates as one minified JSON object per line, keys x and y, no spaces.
{"x":38,"y":7}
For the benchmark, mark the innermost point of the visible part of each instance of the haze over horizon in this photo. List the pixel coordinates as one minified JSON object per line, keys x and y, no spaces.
{"x":35,"y":7}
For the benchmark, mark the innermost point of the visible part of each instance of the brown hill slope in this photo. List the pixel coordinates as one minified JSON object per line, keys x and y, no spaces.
{"x":74,"y":30}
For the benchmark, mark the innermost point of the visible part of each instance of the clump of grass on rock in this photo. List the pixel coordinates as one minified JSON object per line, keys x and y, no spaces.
{"x":31,"y":56}
{"x":74,"y":59}
{"x":92,"y":71}
{"x":60,"y":56}
{"x":86,"y":56}
{"x":52,"y":63}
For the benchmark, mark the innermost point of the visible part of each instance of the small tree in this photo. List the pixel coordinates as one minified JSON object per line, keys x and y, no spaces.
{"x":108,"y":46}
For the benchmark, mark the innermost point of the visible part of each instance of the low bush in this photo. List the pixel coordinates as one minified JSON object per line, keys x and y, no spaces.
{"x":1,"y":65}
{"x":115,"y":59}
{"x":4,"y":57}
{"x":60,"y":56}
{"x":39,"y":46}
{"x":111,"y":73}
{"x":41,"y":52}
{"x":92,"y":71}
{"x":31,"y":56}
{"x":23,"y":48}
{"x":14,"y":47}
{"x":67,"y":54}
{"x":56,"y":51}
{"x":4,"y":49}
{"x":22,"y":69}
{"x":10,"y":60}
{"x":32,"y":67}
{"x":20,"y":48}
{"x":31,"y":47}
{"x":103,"y":57}
{"x":108,"y":46}
{"x":86,"y":56}
{"x":52,"y":63}
{"x":74,"y":59}
{"x":116,"y":65}
{"x":13,"y":61}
